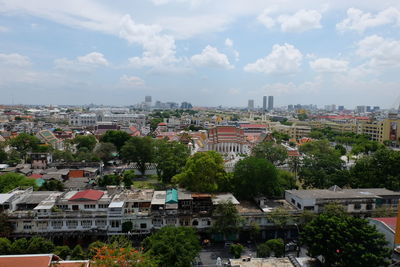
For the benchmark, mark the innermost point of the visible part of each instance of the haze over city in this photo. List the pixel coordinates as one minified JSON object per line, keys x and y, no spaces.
{"x":209,"y":53}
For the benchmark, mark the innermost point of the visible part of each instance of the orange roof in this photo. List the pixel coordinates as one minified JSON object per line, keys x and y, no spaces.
{"x":253,"y":125}
{"x":36,"y":260}
{"x":89,"y":194}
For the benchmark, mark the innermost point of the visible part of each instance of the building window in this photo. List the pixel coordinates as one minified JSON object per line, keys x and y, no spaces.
{"x":357,"y":206}
{"x":103,"y":206}
{"x":143,"y":225}
{"x":298,"y":205}
{"x":100,"y":223}
{"x":171,"y":221}
{"x":89,"y":206}
{"x":72,"y":224}
{"x":86,"y":224}
{"x":57,"y":224}
{"x":369,"y":207}
{"x":115,"y":224}
{"x":195,"y":223}
{"x":293,"y":201}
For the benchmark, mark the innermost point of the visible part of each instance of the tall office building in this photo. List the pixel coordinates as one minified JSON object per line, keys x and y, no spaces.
{"x":270,"y":102}
{"x":147,"y":101}
{"x":264,"y":103}
{"x":250,"y":105}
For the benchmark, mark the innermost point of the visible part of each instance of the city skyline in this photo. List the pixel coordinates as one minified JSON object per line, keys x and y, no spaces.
{"x":206,"y":53}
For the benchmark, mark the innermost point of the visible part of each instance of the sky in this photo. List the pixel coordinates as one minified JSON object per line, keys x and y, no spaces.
{"x":207,"y":52}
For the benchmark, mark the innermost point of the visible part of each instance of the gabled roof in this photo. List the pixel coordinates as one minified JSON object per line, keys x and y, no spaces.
{"x":171,"y":196}
{"x":86,"y":195}
{"x":37,"y":260}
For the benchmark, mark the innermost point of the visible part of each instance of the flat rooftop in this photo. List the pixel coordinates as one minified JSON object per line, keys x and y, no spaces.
{"x":343,"y":193}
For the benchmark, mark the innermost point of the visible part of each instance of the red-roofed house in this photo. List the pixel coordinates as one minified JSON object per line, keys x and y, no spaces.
{"x":87,"y":195}
{"x":226,"y":139}
{"x":35,"y":176}
{"x":36,"y":260}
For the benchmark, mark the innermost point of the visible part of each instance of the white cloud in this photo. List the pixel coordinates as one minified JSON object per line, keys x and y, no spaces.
{"x":15,"y":60}
{"x":94,"y":58}
{"x":380,"y":52}
{"x":329,"y":65}
{"x":210,"y":57}
{"x":132,"y":81}
{"x":4,"y":29}
{"x":228,"y":42}
{"x":229,"y":45}
{"x":359,"y":21}
{"x":283,"y":59}
{"x":83,"y":63}
{"x":301,"y":21}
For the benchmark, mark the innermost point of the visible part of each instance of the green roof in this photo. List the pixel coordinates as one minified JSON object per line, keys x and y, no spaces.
{"x":171,"y":196}
{"x":39,"y":182}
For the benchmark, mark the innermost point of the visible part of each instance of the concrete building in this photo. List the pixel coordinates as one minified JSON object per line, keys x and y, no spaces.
{"x":250,"y":104}
{"x":358,"y":201}
{"x":270,"y":103}
{"x":265,"y":107}
{"x":86,"y":119}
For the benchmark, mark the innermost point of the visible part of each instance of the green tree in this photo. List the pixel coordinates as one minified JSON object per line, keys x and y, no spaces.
{"x":173,"y":246}
{"x":117,"y":138}
{"x":77,"y":253}
{"x":380,"y":169}
{"x":14,"y":157}
{"x":139,"y":150}
{"x":255,"y":177}
{"x":20,"y":246}
{"x":321,"y":166}
{"x":109,"y":179}
{"x":236,"y":250}
{"x":127,"y":226}
{"x":66,"y":156}
{"x":9,"y":181}
{"x":341,"y":149}
{"x":92,"y":248}
{"x":263,"y":250}
{"x":24,"y":143}
{"x":62,"y":251}
{"x":345,"y":241}
{"x":227,"y":220}
{"x":39,"y":245}
{"x":5,"y":246}
{"x":274,"y":153}
{"x":203,"y":172}
{"x":105,"y":151}
{"x":85,"y":141}
{"x":170,"y":158}
{"x":276,"y":246}
{"x":52,"y":185}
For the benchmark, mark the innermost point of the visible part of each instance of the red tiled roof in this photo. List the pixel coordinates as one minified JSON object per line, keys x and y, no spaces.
{"x":35,"y":176}
{"x":89,"y":194}
{"x":162,"y":124}
{"x":84,"y":263}
{"x":39,"y":260}
{"x":389,"y":221}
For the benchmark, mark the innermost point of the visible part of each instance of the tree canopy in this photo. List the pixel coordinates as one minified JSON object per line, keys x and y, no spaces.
{"x":139,"y":150}
{"x":85,"y":141}
{"x":117,"y":138}
{"x":344,"y":240}
{"x":258,"y":177}
{"x":170,"y":158}
{"x":24,"y":143}
{"x":227,"y":219}
{"x":173,"y":246}
{"x":274,"y":153}
{"x":9,"y":181}
{"x":105,"y":151}
{"x":203,"y":172}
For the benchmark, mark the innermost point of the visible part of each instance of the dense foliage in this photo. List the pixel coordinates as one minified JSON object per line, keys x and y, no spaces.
{"x":117,"y":138}
{"x":203,"y":172}
{"x":173,"y":246}
{"x":344,"y":240}
{"x":170,"y":158}
{"x":139,"y":150}
{"x":10,"y":181}
{"x":274,"y":153}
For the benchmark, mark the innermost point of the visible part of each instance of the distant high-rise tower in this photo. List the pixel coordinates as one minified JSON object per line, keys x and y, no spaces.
{"x":250,"y":105}
{"x":264,"y":103}
{"x":270,"y":102}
